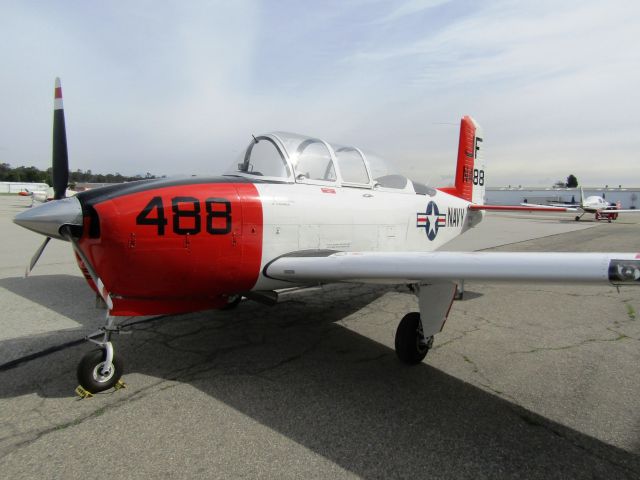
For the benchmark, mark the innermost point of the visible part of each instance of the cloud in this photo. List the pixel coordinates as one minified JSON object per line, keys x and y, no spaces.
{"x":557,"y":75}
{"x":410,"y":7}
{"x":179,"y":87}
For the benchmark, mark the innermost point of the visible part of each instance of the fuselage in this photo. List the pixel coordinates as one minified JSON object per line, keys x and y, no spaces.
{"x":594,"y":204}
{"x":181,"y":245}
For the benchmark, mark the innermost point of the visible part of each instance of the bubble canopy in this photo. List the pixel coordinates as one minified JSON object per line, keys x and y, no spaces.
{"x":294,"y":158}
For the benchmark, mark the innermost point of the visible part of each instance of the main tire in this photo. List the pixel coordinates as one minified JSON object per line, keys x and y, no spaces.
{"x":577,"y":218}
{"x":411,"y":346}
{"x":90,"y":374}
{"x":232,"y":302}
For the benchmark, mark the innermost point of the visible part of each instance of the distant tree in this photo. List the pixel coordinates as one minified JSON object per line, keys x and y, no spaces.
{"x":572,"y":181}
{"x":33,"y":174}
{"x":5,"y":168}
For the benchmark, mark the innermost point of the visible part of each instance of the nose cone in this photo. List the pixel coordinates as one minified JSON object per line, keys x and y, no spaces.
{"x":48,"y":218}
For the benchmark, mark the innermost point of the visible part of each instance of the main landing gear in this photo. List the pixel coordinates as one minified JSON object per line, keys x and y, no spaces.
{"x":578,"y":217}
{"x":232,"y":302}
{"x":100,"y":369}
{"x":411,"y":344}
{"x":414,"y":336}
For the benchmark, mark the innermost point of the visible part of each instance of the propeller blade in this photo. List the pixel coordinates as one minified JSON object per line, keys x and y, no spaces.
{"x":36,"y":256}
{"x":60,"y":159}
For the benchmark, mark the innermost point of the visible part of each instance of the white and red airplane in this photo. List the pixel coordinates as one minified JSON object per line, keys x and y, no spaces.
{"x":39,"y":196}
{"x":595,"y":204}
{"x":296,"y":210}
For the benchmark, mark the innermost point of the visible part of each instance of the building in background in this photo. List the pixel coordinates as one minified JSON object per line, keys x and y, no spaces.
{"x":17,"y":187}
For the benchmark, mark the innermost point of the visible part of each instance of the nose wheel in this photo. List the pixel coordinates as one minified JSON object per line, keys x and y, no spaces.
{"x":95,"y":374}
{"x":411,"y":344}
{"x":100,"y":369}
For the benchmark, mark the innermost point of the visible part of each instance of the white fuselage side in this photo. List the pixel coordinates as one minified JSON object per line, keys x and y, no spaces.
{"x":594,"y":204}
{"x":313,"y":217}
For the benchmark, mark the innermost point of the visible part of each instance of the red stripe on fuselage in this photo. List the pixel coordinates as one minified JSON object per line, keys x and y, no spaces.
{"x":151,"y":268}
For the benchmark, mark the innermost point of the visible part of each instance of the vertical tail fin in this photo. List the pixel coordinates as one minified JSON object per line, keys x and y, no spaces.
{"x":470,"y":171}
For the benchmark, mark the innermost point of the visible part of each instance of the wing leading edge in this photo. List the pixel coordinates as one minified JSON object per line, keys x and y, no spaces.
{"x":421,"y":267}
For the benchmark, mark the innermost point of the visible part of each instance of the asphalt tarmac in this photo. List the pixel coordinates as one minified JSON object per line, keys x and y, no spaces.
{"x":525,"y":381}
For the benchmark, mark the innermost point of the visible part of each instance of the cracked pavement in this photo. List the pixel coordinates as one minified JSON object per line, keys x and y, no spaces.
{"x":525,"y":381}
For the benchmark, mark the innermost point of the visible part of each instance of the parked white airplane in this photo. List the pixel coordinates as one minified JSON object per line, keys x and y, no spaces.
{"x":41,"y":196}
{"x":37,"y":196}
{"x":595,"y":204}
{"x":296,"y":210}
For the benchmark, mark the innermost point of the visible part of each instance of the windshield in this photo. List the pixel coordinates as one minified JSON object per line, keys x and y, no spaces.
{"x":263,"y":158}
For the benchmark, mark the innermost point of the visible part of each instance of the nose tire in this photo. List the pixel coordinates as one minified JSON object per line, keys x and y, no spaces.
{"x":92,"y":374}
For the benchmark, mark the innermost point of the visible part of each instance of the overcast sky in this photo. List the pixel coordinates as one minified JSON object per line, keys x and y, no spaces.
{"x":179,"y":87}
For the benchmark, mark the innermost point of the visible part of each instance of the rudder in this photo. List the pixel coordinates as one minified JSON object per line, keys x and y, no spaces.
{"x":470,"y":170}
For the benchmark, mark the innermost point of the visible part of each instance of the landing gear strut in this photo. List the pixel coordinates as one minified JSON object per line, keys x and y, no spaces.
{"x":100,"y":369}
{"x":411,"y":344}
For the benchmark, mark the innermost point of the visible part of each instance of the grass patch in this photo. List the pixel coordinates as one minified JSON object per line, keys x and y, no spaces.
{"x":631,"y":312}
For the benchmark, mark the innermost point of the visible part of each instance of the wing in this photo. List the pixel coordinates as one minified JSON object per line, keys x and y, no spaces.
{"x":607,"y":210}
{"x":425,"y":267}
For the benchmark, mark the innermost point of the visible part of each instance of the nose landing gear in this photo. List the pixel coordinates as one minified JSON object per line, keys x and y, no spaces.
{"x":95,"y":374}
{"x":100,"y":369}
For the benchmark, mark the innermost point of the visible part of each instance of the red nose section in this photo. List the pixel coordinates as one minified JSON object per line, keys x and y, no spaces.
{"x":176,"y":249}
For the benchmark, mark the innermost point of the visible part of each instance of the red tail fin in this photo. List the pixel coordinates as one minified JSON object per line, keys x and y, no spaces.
{"x":470,"y":167}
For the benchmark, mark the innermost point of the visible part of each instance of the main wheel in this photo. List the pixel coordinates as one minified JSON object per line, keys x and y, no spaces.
{"x":232,"y":302}
{"x":91,"y":373}
{"x":411,"y":345}
{"x":577,"y":217}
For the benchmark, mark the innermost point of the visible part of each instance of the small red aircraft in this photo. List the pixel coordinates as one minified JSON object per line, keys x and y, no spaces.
{"x":295,"y":210}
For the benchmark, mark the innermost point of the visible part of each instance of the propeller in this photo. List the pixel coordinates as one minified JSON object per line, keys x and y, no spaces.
{"x":36,"y":256}
{"x":59,"y":160}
